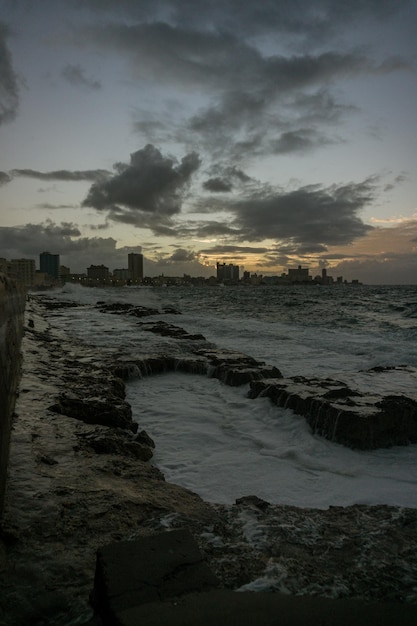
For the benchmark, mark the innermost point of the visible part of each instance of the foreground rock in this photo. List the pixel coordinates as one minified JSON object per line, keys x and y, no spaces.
{"x":163,"y":579}
{"x":162,"y":566}
{"x":355,"y":412}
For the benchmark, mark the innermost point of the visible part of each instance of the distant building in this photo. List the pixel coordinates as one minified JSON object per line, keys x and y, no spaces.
{"x":49,"y":264}
{"x":98,"y":273}
{"x":23,"y":270}
{"x":135,"y":266}
{"x":122,"y":274}
{"x":299,"y":275}
{"x":227,"y":273}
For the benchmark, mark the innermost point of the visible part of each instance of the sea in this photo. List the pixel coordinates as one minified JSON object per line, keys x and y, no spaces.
{"x":215,"y":440}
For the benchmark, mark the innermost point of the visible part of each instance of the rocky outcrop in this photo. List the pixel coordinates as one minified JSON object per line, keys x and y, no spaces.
{"x":235,"y":368}
{"x":231,"y":367}
{"x":12,"y":306}
{"x":108,"y":411}
{"x":355,"y":412}
{"x":151,"y":569}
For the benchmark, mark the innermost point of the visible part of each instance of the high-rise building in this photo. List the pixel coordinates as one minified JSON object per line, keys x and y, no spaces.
{"x":49,"y":264}
{"x":135,"y":266}
{"x":227,"y":273}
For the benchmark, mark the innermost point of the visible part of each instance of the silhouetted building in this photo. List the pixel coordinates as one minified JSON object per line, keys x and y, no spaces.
{"x":98,"y":272}
{"x":227,"y":273}
{"x":299,"y":275}
{"x":135,"y":266}
{"x":49,"y":264}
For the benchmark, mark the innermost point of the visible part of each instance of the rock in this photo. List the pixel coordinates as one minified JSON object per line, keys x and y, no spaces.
{"x":348,"y":414}
{"x":120,"y":308}
{"x":149,"y":569}
{"x":170,"y":330}
{"x":253,"y":501}
{"x":144,"y":439}
{"x":118,"y":443}
{"x":235,"y":368}
{"x":96,"y":411}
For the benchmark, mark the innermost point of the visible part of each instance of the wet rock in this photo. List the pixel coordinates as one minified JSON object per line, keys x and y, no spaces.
{"x":352,"y":416}
{"x":120,"y":308}
{"x":150,"y":569}
{"x":118,"y":443}
{"x":170,"y":330}
{"x":235,"y":368}
{"x":95,"y":411}
{"x":47,"y":460}
{"x":253,"y":501}
{"x":144,"y":439}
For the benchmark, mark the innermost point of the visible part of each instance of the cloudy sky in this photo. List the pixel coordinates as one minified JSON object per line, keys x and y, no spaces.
{"x":266,"y":134}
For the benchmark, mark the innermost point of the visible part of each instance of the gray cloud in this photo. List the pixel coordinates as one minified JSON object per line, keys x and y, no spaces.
{"x":181,"y":255}
{"x":75,"y":75}
{"x":300,"y":140}
{"x":256,"y":94}
{"x":217,"y":185}
{"x":4,"y":178}
{"x":304,"y":19}
{"x":307,"y":216}
{"x":227,"y":249}
{"x":302,"y":221}
{"x":9,"y":92}
{"x":147,"y":192}
{"x":64,"y":175}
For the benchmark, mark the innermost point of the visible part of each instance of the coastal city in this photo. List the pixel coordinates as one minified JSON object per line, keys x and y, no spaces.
{"x":52,"y":274}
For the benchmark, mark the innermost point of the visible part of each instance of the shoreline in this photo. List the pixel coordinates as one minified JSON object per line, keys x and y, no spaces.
{"x":66,"y":498}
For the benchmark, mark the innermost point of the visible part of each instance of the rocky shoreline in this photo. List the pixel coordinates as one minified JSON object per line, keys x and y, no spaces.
{"x":81,"y":477}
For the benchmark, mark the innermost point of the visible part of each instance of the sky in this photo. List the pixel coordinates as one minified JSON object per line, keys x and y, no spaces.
{"x":266,"y":134}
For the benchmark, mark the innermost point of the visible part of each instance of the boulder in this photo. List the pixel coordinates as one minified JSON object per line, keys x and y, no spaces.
{"x":149,"y":569}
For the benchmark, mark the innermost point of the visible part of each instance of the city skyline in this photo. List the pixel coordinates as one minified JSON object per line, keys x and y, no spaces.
{"x":262,"y":135}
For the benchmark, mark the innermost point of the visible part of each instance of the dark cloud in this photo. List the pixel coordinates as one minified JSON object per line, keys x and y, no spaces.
{"x":305,"y":220}
{"x":181,"y":255}
{"x":227,"y":249}
{"x":302,"y":140}
{"x":217,"y":185}
{"x":147,"y":192}
{"x":256,"y":94}
{"x":309,"y":215}
{"x":4,"y":178}
{"x":75,"y":75}
{"x":302,"y":19}
{"x":9,"y":92}
{"x":65,"y":175}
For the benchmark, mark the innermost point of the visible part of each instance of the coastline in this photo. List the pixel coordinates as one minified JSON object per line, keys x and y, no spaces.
{"x":66,"y":498}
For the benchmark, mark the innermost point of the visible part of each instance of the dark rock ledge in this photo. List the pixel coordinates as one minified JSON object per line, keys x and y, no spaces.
{"x":355,"y":412}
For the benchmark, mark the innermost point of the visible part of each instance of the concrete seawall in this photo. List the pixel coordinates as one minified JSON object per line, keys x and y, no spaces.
{"x":12,"y":306}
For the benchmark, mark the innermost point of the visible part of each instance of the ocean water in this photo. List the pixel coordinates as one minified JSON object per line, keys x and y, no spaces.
{"x":212,"y":438}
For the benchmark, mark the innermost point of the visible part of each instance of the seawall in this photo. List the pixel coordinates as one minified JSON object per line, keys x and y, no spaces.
{"x":12,"y":306}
